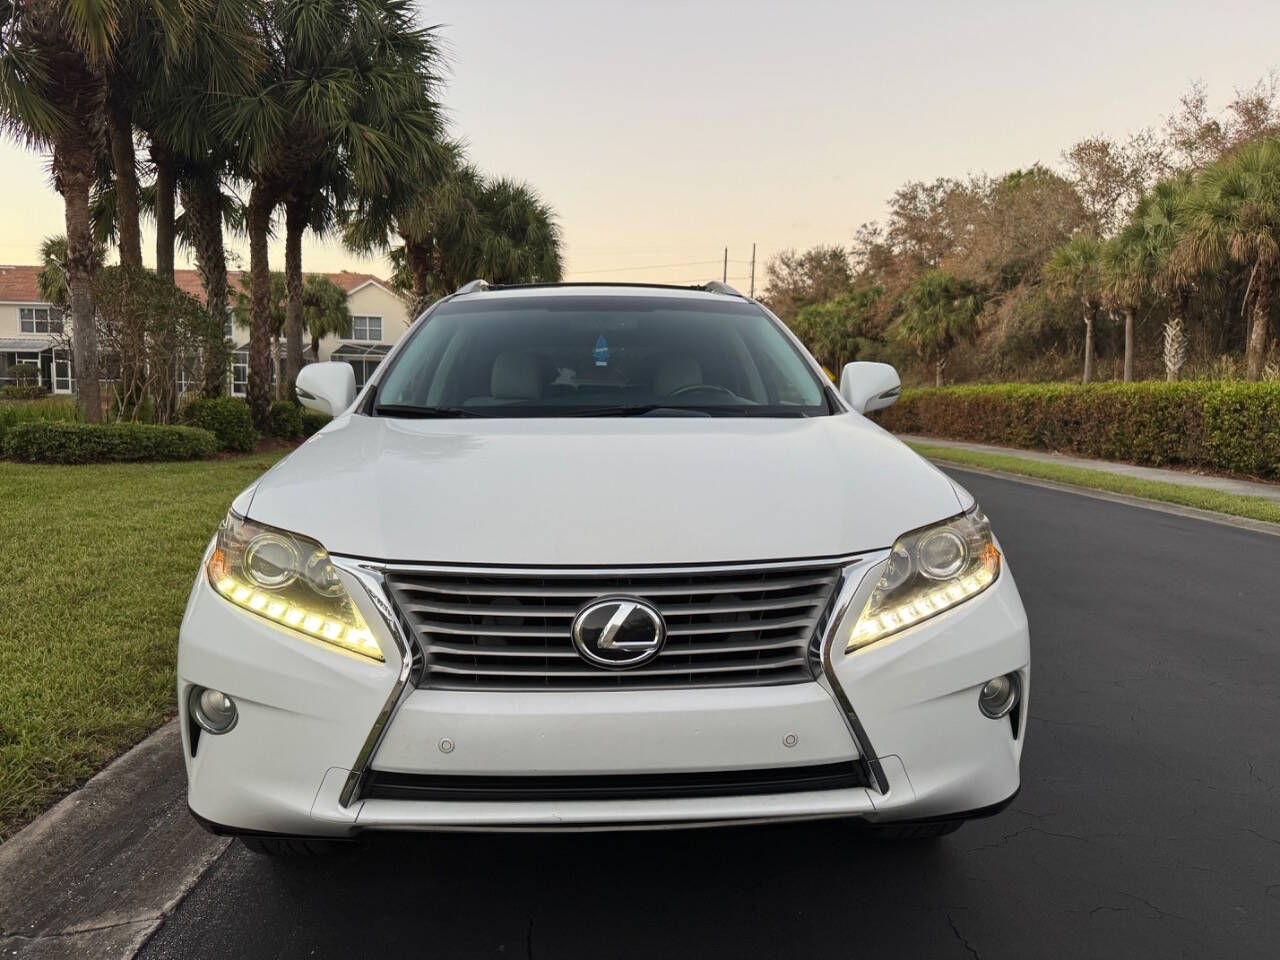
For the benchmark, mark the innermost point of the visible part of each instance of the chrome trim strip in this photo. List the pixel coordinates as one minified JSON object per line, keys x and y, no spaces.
{"x":607,"y":571}
{"x":851,"y":580}
{"x":371,"y":579}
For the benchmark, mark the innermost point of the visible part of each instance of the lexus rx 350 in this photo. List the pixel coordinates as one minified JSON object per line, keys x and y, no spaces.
{"x":599,"y":557}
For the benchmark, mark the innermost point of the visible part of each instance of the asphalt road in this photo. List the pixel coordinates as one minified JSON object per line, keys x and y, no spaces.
{"x":1148,"y":823}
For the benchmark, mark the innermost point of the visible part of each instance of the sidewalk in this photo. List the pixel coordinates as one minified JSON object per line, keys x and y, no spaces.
{"x":98,"y":873}
{"x":1246,"y":488}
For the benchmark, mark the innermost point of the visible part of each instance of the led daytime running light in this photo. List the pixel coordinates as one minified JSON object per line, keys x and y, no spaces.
{"x":356,"y":638}
{"x":902,"y":599}
{"x":869,"y":630}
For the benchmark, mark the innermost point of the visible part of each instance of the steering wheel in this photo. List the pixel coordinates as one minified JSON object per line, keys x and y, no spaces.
{"x":694,"y":387}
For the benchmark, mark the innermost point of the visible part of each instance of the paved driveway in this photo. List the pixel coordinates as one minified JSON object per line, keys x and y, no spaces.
{"x":1148,"y":824}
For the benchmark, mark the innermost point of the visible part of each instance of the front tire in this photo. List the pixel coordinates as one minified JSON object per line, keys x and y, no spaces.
{"x":295,"y":847}
{"x":914,"y":831}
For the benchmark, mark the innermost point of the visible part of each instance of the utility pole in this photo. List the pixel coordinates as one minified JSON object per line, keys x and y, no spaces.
{"x":753,"y":272}
{"x":724,"y":277}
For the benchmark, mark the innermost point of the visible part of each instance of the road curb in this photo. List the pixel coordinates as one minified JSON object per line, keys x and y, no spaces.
{"x":1194,"y":513}
{"x":98,"y":873}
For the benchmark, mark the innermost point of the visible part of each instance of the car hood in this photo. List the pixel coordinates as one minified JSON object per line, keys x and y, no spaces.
{"x":601,"y":491}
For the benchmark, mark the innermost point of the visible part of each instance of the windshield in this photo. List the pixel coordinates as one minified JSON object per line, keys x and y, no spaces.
{"x":556,"y":356}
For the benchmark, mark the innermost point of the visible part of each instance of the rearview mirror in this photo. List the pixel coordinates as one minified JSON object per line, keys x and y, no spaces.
{"x":869,"y":386}
{"x":327,"y":387}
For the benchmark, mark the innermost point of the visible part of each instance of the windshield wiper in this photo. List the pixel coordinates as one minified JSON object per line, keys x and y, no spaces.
{"x":423,"y":413}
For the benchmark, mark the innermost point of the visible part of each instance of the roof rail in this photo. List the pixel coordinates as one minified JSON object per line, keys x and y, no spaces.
{"x":715,"y":286}
{"x":475,"y":286}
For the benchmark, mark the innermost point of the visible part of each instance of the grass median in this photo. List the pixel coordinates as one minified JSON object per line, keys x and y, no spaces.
{"x":97,"y":562}
{"x":1254,"y":508}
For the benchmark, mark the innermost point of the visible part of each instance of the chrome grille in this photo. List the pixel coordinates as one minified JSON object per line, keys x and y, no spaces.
{"x":726,"y":626}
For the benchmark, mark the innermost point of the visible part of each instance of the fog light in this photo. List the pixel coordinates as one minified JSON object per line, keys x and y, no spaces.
{"x":998,"y":696}
{"x":213,"y":710}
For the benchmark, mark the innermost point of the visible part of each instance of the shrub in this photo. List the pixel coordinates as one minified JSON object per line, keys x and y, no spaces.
{"x":227,"y":418}
{"x":312,"y":421}
{"x":1226,"y":426}
{"x":284,"y":420}
{"x":65,"y":442}
{"x":24,"y":374}
{"x":28,"y":411}
{"x":26,"y":391}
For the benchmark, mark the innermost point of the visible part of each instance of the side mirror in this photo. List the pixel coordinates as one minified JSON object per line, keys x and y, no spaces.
{"x":869,"y":386}
{"x":327,"y":387}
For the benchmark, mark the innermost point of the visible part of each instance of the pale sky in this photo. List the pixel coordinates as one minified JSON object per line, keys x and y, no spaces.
{"x":663,"y":132}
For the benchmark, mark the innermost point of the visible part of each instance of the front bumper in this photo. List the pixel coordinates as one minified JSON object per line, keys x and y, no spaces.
{"x":314,"y":723}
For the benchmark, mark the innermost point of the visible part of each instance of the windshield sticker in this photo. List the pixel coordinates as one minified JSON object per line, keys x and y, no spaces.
{"x":601,"y":352}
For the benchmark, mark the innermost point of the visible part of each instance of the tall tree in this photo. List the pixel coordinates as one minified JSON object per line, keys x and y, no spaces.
{"x":1137,"y":262}
{"x":52,"y":97}
{"x":1111,"y":176}
{"x":940,"y":311}
{"x":836,"y":332}
{"x":1126,"y":282}
{"x":1074,"y":271}
{"x":172,"y":99}
{"x":795,"y":280}
{"x":461,"y":227}
{"x":347,"y":85}
{"x":1233,"y":216}
{"x":324,"y":311}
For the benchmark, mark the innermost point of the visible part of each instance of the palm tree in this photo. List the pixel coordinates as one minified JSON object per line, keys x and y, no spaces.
{"x":172,"y":99}
{"x":347,"y":85}
{"x":1233,"y":216}
{"x":52,"y":94}
{"x":206,"y":207}
{"x":324,"y":311}
{"x":1126,"y":281}
{"x":1138,"y":263}
{"x":940,"y":311}
{"x":1074,"y":270}
{"x":461,"y":227}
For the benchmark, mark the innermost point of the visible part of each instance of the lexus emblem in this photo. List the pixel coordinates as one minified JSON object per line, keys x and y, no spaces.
{"x":618,"y":633}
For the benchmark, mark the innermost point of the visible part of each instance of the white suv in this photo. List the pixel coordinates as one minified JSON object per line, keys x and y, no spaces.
{"x":599,"y":557}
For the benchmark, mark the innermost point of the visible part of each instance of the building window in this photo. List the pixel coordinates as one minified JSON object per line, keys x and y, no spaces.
{"x":37,"y":320}
{"x":239,"y":374}
{"x":366,"y":329}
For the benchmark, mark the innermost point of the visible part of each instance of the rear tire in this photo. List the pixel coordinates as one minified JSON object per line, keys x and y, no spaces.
{"x":914,"y":831}
{"x":297,"y":847}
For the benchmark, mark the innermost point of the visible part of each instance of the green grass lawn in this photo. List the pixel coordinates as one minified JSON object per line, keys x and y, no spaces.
{"x":1254,"y":508}
{"x":95,"y":566}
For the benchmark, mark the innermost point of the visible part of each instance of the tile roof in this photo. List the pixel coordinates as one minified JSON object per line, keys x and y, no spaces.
{"x":18,"y":283}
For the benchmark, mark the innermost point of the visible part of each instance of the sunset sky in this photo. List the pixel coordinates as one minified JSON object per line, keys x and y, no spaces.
{"x":664,"y":132}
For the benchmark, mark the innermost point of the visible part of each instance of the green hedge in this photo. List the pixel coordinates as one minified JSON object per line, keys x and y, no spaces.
{"x":228,"y":418}
{"x":312,"y":421}
{"x":1220,"y":425}
{"x":23,"y":392}
{"x":63,"y":442}
{"x":284,"y":420}
{"x":29,"y":411}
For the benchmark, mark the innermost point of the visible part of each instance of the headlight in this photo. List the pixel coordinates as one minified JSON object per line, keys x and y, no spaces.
{"x":289,"y":580}
{"x":929,"y":571}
